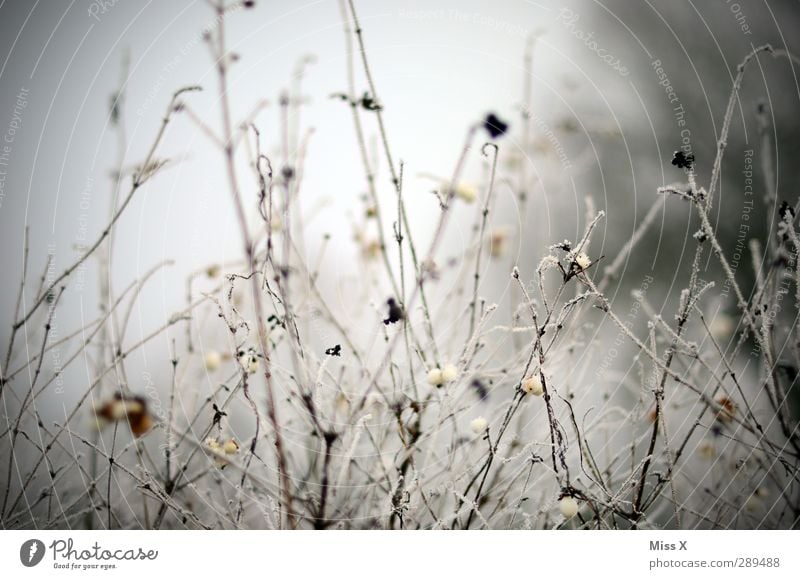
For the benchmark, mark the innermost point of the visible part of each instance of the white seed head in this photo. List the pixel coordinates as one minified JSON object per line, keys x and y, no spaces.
{"x":449,"y":373}
{"x":568,"y":507}
{"x":466,"y":192}
{"x":479,"y":425}
{"x":435,"y":377}
{"x":213,"y":360}
{"x":533,"y":386}
{"x":582,"y":260}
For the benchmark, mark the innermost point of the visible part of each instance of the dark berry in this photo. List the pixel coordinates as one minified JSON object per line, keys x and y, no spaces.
{"x":395,"y":312}
{"x":495,"y":126}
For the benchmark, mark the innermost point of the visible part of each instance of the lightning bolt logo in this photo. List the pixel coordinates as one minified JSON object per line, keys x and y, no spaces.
{"x":33,"y":549}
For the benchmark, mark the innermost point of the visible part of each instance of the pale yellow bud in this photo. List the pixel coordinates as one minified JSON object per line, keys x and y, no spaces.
{"x":533,"y":386}
{"x":449,"y":373}
{"x":230,"y":446}
{"x":213,"y":360}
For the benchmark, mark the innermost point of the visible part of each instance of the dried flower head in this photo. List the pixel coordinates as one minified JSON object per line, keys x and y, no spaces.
{"x":727,"y":410}
{"x":132,"y":409}
{"x":371,"y":248}
{"x":683,"y":161}
{"x":706,"y":450}
{"x":221,"y":447}
{"x":581,"y":261}
{"x":230,"y":446}
{"x":249,"y":359}
{"x":395,"y":312}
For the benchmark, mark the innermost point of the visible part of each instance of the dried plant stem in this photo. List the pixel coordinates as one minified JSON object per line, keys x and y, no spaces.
{"x":30,"y":393}
{"x":395,"y":178}
{"x":141,"y":176}
{"x":272,"y":412}
{"x":4,"y":371}
{"x":484,"y":217}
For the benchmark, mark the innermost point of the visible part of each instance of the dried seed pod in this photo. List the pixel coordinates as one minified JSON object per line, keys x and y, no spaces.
{"x":132,"y":409}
